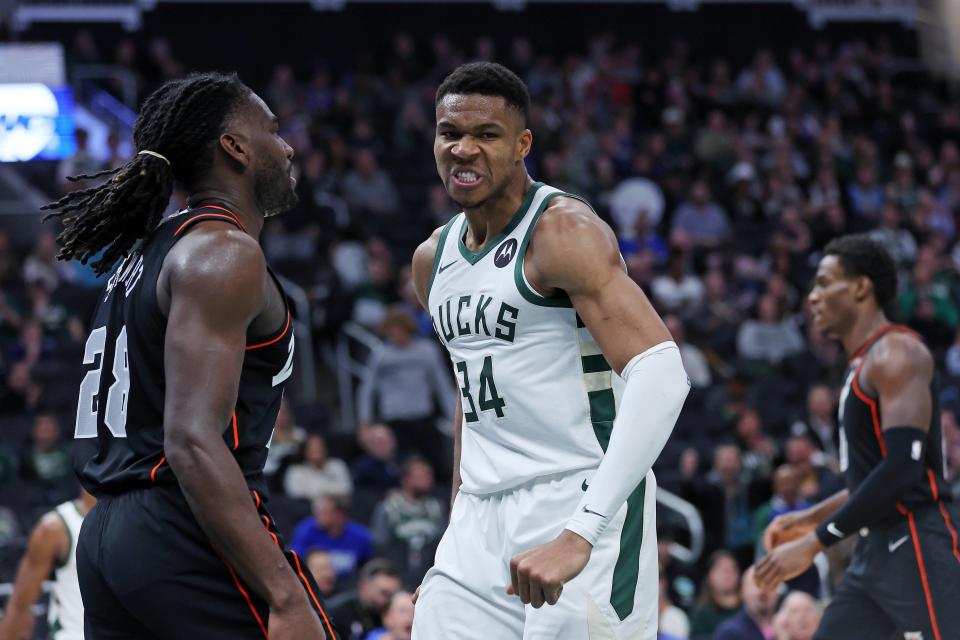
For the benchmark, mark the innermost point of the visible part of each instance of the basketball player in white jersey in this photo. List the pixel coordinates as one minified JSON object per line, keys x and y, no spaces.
{"x":52,"y":548}
{"x":569,"y":387}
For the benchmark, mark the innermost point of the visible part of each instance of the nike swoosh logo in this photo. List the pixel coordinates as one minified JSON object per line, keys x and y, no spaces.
{"x":584,"y":486}
{"x":446,"y":266}
{"x":832,"y":528}
{"x":893,"y":546}
{"x":585,"y":510}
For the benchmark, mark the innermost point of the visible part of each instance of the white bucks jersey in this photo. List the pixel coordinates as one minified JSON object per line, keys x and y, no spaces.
{"x":65,"y":614}
{"x":537,"y":394}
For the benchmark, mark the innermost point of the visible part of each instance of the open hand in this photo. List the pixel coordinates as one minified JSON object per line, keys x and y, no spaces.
{"x":538,"y":575}
{"x":785,"y":528}
{"x":786,"y":561}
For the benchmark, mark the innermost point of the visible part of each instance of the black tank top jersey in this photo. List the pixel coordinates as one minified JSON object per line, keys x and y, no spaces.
{"x":861,"y":441}
{"x":119,"y":431}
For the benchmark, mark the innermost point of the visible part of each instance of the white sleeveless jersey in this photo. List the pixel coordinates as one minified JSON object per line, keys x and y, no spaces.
{"x":536,"y":393}
{"x":65,"y":613}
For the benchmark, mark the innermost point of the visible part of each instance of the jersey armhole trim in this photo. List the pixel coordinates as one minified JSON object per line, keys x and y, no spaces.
{"x":439,"y":253}
{"x":523,"y":286}
{"x":200,"y":217}
{"x":60,"y":564}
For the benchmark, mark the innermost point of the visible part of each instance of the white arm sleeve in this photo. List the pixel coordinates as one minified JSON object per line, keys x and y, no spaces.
{"x":656,"y":387}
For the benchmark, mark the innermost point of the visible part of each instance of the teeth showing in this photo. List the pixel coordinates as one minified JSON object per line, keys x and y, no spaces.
{"x":467,"y":176}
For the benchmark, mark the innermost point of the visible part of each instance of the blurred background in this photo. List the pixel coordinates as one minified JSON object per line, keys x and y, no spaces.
{"x":724,"y":142}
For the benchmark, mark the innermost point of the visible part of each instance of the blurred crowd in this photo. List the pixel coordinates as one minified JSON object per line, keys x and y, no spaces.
{"x":723,"y":180}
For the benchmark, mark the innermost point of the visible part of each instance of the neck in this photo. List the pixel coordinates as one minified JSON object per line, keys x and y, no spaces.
{"x":85,"y":503}
{"x":485,"y":221}
{"x":243,"y":206}
{"x":863,"y":327}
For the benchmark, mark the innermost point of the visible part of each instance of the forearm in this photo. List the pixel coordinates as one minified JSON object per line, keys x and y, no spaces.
{"x":827,"y":507}
{"x":216,"y":492}
{"x":652,"y":399}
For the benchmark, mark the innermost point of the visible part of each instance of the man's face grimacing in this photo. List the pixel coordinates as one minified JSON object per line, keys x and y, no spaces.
{"x":480,"y":145}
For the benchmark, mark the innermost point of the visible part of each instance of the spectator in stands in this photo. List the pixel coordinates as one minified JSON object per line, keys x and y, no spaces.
{"x":786,"y":498}
{"x":82,"y":162}
{"x":926,"y":303}
{"x":798,"y":617}
{"x":724,"y":499}
{"x":719,"y":596}
{"x":404,"y":383}
{"x":816,"y":482}
{"x":866,"y":194}
{"x":899,"y":242}
{"x":408,"y":523}
{"x":367,"y":188}
{"x":42,"y":267}
{"x":397,"y":620}
{"x":377,"y":469}
{"x":694,"y":361}
{"x":754,"y":621}
{"x":770,"y":337}
{"x":820,"y":425}
{"x":700,"y":220}
{"x":22,"y":392}
{"x":951,"y":440}
{"x":349,"y":544}
{"x":360,"y":611}
{"x":758,"y":449}
{"x":48,"y":459}
{"x":714,"y":327}
{"x":286,"y":442}
{"x":321,"y":568}
{"x":318,"y":474}
{"x":674,"y":624}
{"x":678,"y":291}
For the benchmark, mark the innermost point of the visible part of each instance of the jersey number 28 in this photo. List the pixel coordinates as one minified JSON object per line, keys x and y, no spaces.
{"x":88,"y":407}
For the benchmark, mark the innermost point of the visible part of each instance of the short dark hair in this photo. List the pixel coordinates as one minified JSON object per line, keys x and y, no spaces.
{"x":487,"y":79}
{"x":859,"y":255}
{"x":378,"y":567}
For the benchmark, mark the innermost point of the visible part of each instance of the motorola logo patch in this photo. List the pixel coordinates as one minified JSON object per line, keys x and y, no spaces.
{"x":505,"y":253}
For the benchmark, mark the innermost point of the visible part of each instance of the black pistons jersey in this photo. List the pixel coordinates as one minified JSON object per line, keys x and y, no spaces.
{"x":119,"y":429}
{"x":861,"y":441}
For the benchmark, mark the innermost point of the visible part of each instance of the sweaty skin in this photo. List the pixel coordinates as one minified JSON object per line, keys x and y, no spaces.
{"x":215,"y":290}
{"x":898,"y":371}
{"x":571,"y":249}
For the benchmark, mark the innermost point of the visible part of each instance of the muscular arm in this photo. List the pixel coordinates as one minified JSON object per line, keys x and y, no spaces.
{"x":899,"y":370}
{"x":574,"y":251}
{"x":216,"y":284}
{"x":49,"y":542}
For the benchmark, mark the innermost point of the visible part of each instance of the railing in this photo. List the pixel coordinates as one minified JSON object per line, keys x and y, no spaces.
{"x":693,"y":521}
{"x":348,"y":367}
{"x":124,"y":12}
{"x":306,"y":368}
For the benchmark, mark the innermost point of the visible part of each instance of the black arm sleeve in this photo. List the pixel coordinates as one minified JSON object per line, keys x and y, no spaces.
{"x":901,"y":469}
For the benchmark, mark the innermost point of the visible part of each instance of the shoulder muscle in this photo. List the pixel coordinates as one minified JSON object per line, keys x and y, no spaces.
{"x":423,"y":259}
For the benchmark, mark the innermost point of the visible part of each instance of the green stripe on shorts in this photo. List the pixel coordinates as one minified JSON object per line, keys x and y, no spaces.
{"x":627,"y":570}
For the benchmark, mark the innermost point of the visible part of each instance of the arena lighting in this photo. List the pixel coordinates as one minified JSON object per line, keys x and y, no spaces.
{"x":36,"y":122}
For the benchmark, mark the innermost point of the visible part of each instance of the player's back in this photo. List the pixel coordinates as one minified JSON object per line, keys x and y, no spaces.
{"x":861,"y":440}
{"x":537,"y":394}
{"x":119,"y":429}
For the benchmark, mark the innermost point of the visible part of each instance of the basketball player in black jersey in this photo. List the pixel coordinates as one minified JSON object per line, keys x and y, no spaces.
{"x":189,"y":348}
{"x":904,"y":579}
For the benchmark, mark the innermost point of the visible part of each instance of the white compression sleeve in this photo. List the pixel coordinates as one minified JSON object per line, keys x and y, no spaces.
{"x":656,"y":387}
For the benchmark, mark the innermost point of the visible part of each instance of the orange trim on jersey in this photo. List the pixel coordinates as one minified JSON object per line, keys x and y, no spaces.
{"x":256,"y":498}
{"x":153,"y":472}
{"x":879,"y":333}
{"x":316,"y":601}
{"x":933,"y":484}
{"x":204,"y":216}
{"x":235,"y":216}
{"x":923,"y":573}
{"x":270,"y":342}
{"x":246,"y":596}
{"x":236,"y":432}
{"x":874,"y":412}
{"x":953,"y":532}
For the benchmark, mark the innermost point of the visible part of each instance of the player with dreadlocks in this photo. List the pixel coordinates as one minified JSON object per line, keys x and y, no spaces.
{"x":190,"y":346}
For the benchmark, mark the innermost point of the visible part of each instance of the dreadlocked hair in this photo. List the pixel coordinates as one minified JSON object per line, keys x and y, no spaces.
{"x":182,"y":121}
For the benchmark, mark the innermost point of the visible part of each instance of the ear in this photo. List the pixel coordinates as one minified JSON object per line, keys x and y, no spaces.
{"x":236,"y":146}
{"x":525,"y":143}
{"x":862,"y":288}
